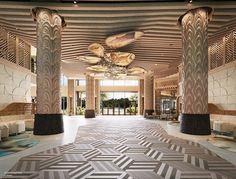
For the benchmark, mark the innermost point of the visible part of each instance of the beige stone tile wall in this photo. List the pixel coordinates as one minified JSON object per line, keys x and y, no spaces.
{"x":222,"y":87}
{"x":224,"y":118}
{"x":15,"y":84}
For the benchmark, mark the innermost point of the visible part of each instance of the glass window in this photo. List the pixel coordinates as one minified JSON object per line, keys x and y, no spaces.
{"x":107,"y":83}
{"x":63,"y":80}
{"x":109,"y":95}
{"x":119,"y":82}
{"x":33,"y":59}
{"x":33,"y":51}
{"x":131,"y":82}
{"x":131,"y":95}
{"x":119,"y":95}
{"x":81,"y":82}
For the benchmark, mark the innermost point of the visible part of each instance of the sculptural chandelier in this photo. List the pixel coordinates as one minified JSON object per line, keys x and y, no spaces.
{"x":114,"y":64}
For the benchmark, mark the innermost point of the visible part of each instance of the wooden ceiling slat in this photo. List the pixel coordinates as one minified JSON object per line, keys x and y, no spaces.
{"x":107,"y":23}
{"x":94,"y":21}
{"x":28,"y":18}
{"x":118,"y":6}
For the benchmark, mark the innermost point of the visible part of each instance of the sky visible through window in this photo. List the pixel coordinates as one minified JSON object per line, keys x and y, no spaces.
{"x":115,"y":95}
{"x":118,"y":95}
{"x":64,"y":80}
{"x":119,"y":82}
{"x":82,"y":82}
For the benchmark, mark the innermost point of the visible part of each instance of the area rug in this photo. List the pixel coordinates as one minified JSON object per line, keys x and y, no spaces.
{"x":124,"y":149}
{"x":17,"y":143}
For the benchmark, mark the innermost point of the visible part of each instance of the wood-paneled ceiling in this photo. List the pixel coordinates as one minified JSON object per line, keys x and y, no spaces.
{"x":93,"y":21}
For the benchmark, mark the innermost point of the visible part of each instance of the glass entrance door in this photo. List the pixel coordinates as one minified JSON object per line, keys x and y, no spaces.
{"x":119,"y":106}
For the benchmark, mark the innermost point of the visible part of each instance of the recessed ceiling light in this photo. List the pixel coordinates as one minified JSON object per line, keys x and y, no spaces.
{"x":75,"y":2}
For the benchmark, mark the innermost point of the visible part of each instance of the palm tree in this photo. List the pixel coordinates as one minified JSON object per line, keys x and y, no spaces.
{"x":134,"y":97}
{"x":103,"y":96}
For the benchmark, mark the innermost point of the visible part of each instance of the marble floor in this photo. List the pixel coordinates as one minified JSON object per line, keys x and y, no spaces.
{"x":120,"y":147}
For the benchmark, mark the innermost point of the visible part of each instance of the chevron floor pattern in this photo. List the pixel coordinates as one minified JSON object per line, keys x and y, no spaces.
{"x":124,"y":149}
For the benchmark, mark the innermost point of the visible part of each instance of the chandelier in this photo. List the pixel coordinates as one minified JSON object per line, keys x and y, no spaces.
{"x":116,"y":72}
{"x":114,"y":64}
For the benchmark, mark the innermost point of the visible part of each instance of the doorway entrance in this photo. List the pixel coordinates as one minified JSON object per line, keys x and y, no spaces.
{"x":113,"y":104}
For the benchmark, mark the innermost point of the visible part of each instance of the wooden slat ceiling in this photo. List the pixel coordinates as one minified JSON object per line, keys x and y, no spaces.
{"x":89,"y":22}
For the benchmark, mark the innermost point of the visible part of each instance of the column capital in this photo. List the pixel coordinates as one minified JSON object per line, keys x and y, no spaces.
{"x":194,"y":11}
{"x":51,"y":13}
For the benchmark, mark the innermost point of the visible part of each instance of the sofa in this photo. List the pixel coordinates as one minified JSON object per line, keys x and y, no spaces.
{"x":223,"y":124}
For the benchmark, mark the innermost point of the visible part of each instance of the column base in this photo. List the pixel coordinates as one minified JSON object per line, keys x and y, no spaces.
{"x":147,"y":112}
{"x":47,"y":124}
{"x":157,"y":112}
{"x":89,"y":113}
{"x":196,"y":124}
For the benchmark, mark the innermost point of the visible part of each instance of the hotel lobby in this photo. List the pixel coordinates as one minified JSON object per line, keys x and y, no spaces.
{"x":124,"y":89}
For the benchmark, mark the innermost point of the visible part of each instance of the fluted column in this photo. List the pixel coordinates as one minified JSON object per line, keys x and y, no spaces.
{"x":140,"y":96}
{"x":90,"y":97}
{"x":148,"y":94}
{"x":48,"y":118}
{"x":71,"y":97}
{"x":97,"y":95}
{"x":194,"y":25}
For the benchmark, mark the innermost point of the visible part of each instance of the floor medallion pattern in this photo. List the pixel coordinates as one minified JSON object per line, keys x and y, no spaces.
{"x":124,"y":149}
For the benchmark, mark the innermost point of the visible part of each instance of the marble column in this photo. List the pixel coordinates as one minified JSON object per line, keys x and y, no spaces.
{"x":71,"y":97}
{"x":157,"y":101}
{"x":140,"y":96}
{"x":148,"y":94}
{"x":48,"y":117}
{"x":90,"y":97}
{"x":195,"y":116}
{"x":97,"y":95}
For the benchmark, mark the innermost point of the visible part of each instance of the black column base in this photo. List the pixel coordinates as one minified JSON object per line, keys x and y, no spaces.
{"x":157,"y":112}
{"x":47,"y":124}
{"x":196,"y":124}
{"x":89,"y":113}
{"x":147,"y":112}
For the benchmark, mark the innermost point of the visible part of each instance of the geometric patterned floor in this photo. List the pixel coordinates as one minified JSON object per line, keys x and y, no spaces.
{"x":124,"y":149}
